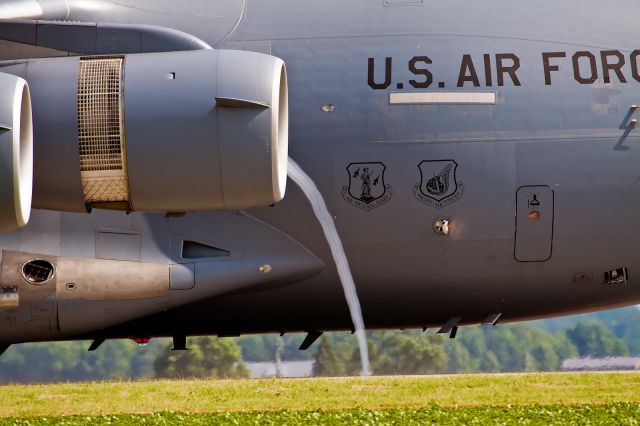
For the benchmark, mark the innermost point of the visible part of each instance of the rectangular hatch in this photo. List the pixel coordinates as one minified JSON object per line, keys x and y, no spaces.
{"x":534,"y":224}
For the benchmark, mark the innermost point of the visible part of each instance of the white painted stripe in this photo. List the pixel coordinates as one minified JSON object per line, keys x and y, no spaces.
{"x":482,"y":98}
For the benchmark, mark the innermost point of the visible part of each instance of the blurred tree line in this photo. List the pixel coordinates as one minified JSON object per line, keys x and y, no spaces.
{"x":623,"y":323}
{"x":206,"y":357}
{"x":506,"y":348}
{"x":70,"y":361}
{"x":537,"y":346}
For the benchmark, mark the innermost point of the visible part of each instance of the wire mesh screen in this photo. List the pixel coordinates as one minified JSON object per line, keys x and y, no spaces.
{"x":100,"y":136}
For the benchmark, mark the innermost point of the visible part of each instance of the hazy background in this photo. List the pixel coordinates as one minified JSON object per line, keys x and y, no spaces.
{"x":532,"y":346}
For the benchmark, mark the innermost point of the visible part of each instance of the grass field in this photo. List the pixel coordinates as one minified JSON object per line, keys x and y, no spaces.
{"x":600,"y":398}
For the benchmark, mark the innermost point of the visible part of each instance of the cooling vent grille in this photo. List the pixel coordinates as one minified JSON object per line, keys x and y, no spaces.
{"x":100,"y":132}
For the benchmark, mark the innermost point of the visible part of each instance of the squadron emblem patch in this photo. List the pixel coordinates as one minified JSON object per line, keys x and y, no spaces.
{"x":367,"y":189}
{"x":438,"y":186}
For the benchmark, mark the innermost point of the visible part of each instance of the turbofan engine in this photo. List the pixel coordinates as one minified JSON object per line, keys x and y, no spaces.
{"x":158,"y":132}
{"x":16,"y":152}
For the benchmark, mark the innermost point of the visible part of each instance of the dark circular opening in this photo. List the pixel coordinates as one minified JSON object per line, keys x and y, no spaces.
{"x":37,"y":271}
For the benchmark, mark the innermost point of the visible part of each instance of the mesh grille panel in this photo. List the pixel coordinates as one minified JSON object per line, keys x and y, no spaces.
{"x":100,"y":138}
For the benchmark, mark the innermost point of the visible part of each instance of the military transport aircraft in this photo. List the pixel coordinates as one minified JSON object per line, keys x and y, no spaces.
{"x":480,"y":160}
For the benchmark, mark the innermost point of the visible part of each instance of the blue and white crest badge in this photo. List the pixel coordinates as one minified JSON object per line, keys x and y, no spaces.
{"x":438,"y":185}
{"x":367,"y":188}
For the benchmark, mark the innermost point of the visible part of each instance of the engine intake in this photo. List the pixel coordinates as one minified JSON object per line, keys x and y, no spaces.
{"x":16,"y":153}
{"x":165,"y":132}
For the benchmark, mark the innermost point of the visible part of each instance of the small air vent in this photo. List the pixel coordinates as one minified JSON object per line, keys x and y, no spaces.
{"x":37,"y":271}
{"x":193,"y":250}
{"x":100,"y":131}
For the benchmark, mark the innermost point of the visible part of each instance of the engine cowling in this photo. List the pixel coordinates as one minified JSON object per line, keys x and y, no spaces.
{"x":160,"y":132}
{"x":16,"y":153}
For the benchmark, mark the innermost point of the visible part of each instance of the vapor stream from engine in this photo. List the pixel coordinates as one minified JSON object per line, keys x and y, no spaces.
{"x":331,"y":234}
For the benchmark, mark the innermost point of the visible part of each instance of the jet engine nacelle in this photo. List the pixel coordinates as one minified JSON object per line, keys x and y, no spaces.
{"x":16,"y":153}
{"x":159,"y":132}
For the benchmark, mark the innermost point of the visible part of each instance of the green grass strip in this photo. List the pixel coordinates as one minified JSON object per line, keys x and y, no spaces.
{"x":610,"y":414}
{"x":311,"y":395}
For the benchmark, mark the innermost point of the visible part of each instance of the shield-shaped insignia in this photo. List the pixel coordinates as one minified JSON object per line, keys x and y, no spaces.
{"x":438,"y":186}
{"x":366,"y":188}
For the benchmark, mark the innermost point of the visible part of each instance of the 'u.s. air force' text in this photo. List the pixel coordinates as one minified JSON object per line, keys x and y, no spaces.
{"x":502,"y":69}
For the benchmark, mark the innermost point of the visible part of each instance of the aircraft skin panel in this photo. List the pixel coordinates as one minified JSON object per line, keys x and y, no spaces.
{"x":563,"y":89}
{"x":209,"y":20}
{"x":570,"y":22}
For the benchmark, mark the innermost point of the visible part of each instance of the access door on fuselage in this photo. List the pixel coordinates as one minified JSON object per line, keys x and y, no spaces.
{"x":534,"y":224}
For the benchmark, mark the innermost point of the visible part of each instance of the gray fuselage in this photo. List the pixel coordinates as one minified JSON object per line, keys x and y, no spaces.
{"x":545,"y":116}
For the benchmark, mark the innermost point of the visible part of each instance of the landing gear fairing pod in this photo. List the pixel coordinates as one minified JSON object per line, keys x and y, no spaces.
{"x":16,"y":153}
{"x":159,"y":132}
